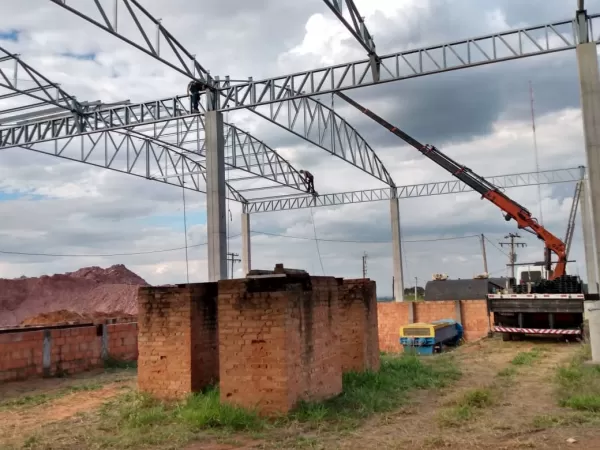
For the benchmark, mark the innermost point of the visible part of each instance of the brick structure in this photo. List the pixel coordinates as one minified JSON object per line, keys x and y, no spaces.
{"x":277,"y":341}
{"x":391,"y":316}
{"x":357,"y":330}
{"x":27,"y":352}
{"x":177,"y":340}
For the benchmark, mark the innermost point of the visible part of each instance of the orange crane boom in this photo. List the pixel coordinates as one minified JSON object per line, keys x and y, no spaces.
{"x":511,"y":208}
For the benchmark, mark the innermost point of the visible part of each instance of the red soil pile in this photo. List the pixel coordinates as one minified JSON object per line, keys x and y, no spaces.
{"x":86,"y":293}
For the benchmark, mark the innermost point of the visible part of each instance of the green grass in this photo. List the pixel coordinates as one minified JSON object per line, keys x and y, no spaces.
{"x":465,"y":407}
{"x":134,"y":420}
{"x":527,"y":358}
{"x":579,"y":385}
{"x":367,"y":393}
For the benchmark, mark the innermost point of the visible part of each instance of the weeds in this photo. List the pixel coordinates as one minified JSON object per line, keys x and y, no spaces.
{"x":465,"y":407}
{"x":40,"y":399}
{"x":368,"y":393}
{"x":579,"y":385}
{"x":134,"y":420}
{"x":115,"y":363}
{"x":527,"y":358}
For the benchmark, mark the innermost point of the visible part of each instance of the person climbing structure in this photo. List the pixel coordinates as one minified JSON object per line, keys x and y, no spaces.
{"x":194,"y":88}
{"x":310,"y":181}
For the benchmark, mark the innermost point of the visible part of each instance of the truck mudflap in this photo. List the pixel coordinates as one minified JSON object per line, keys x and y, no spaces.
{"x":500,"y":329}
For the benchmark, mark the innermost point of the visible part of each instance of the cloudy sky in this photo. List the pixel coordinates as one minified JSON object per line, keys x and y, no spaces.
{"x":479,"y":116}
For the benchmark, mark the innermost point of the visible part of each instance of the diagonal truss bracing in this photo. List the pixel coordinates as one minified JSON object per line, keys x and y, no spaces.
{"x":496,"y":47}
{"x":134,"y":155}
{"x":32,"y":93}
{"x":242,"y":150}
{"x":410,"y":191}
{"x":315,"y":123}
{"x":358,"y":29}
{"x":146,"y":33}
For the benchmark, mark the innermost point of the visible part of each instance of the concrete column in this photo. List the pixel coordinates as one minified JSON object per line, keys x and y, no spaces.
{"x":397,"y":250}
{"x":589,"y":81}
{"x":215,"y":196}
{"x":246,"y":253}
{"x":594,"y":328}
{"x":589,"y":241}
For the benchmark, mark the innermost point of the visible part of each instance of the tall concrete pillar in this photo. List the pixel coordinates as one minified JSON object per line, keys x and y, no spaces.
{"x":246,"y":253}
{"x":215,"y":196}
{"x":589,"y":241}
{"x":397,"y":250}
{"x":589,"y":81}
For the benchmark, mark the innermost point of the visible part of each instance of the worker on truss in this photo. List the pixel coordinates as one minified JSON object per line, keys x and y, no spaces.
{"x":194,"y":88}
{"x":309,"y":180}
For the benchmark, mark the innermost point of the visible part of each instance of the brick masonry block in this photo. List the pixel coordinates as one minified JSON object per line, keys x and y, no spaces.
{"x":177,"y":339}
{"x":277,"y":341}
{"x":357,"y":329}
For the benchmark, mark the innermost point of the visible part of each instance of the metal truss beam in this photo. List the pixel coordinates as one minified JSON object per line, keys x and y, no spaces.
{"x":148,"y":33}
{"x":358,"y":29}
{"x":473,"y":52}
{"x":242,"y":150}
{"x":43,"y":90}
{"x":133,"y":155}
{"x":410,"y":191}
{"x":306,"y":118}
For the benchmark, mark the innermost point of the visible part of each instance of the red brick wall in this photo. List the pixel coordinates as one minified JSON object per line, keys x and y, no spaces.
{"x":392,"y":315}
{"x":174,"y":339}
{"x":357,"y":327}
{"x":205,"y":337}
{"x":69,"y":349}
{"x":122,"y":341}
{"x":74,"y":349}
{"x":21,"y":355}
{"x":277,"y":342}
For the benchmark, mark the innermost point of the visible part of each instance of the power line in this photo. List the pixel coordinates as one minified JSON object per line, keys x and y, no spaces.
{"x":149,"y":252}
{"x":349,"y":241}
{"x":316,"y":240}
{"x":496,"y":247}
{"x":6,"y":252}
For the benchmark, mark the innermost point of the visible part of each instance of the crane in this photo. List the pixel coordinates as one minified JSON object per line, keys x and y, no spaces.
{"x":572,"y":216}
{"x":512,"y":209}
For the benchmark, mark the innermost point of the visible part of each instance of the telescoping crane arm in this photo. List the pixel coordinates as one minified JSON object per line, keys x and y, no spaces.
{"x":511,"y":208}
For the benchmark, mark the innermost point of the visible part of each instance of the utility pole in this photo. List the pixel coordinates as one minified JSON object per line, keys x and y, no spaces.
{"x":232,"y":258}
{"x":512,"y":256}
{"x":416,"y":282}
{"x":364,"y":265}
{"x":485,"y":266}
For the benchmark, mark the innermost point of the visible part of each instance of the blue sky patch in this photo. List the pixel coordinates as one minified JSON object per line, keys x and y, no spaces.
{"x":9,"y":35}
{"x":81,"y":56}
{"x":10,"y":196}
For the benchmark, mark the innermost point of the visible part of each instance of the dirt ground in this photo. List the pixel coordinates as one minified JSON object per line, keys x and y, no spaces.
{"x":522,"y":401}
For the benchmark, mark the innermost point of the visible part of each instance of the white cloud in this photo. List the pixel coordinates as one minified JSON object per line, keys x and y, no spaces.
{"x":87,"y":210}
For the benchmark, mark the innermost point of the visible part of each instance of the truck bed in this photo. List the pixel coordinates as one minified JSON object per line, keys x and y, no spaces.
{"x":537,"y":313}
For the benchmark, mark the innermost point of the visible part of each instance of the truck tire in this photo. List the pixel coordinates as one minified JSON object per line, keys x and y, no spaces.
{"x":506,"y":337}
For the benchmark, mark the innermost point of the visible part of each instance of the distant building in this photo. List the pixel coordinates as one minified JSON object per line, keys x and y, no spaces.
{"x":468,"y":289}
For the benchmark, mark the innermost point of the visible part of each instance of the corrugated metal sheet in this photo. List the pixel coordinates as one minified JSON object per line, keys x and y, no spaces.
{"x":461,"y":289}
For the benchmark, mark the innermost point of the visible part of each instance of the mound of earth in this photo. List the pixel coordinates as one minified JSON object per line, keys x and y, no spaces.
{"x":85,"y":292}
{"x":66,"y":316}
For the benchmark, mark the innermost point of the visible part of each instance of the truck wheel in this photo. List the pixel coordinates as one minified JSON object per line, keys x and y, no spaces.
{"x":506,"y":337}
